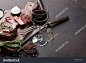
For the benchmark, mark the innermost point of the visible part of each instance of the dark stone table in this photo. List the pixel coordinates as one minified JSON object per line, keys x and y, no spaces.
{"x":71,"y":38}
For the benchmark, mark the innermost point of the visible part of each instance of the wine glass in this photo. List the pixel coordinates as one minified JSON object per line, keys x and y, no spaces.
{"x":40,"y":17}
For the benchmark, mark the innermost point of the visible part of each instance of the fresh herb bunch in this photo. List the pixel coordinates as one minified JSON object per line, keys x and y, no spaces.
{"x":5,"y":27}
{"x":16,"y":43}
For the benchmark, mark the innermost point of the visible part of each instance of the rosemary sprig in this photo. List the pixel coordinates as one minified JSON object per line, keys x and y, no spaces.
{"x":7,"y":43}
{"x":1,"y":44}
{"x":12,"y":45}
{"x":5,"y":27}
{"x":15,"y":41}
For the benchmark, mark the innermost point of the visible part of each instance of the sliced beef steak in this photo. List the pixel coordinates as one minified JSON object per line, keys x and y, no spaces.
{"x":12,"y":21}
{"x":7,"y":30}
{"x":19,"y":20}
{"x":26,"y":19}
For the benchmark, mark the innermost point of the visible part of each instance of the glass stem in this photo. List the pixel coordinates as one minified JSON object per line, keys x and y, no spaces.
{"x":39,"y":28}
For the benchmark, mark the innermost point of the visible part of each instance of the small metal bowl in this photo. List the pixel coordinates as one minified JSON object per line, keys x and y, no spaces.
{"x":30,"y":48}
{"x":3,"y":14}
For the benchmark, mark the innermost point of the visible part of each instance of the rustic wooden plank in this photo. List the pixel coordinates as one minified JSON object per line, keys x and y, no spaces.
{"x":27,"y":11}
{"x":28,"y":7}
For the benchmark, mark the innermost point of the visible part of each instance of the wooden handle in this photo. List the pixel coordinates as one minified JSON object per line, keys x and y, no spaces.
{"x":60,"y":19}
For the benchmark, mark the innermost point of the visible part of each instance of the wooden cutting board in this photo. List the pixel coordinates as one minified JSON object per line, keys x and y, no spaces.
{"x":27,"y":11}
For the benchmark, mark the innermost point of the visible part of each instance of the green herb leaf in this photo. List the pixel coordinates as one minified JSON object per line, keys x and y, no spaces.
{"x":15,"y":41}
{"x":6,"y":43}
{"x":12,"y":45}
{"x":1,"y":44}
{"x":5,"y":27}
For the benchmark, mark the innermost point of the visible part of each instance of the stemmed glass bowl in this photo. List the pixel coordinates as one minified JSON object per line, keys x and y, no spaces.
{"x":39,"y":18}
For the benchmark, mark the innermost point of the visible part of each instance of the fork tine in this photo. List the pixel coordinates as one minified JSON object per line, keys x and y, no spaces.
{"x":27,"y":30}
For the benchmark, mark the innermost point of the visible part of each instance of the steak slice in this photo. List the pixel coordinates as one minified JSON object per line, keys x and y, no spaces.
{"x":10,"y":20}
{"x":19,"y":20}
{"x":7,"y":35}
{"x":26,"y":19}
{"x":7,"y":30}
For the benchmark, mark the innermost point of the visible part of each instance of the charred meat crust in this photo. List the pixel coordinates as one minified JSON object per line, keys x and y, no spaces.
{"x":10,"y":32}
{"x":10,"y":20}
{"x":26,"y":19}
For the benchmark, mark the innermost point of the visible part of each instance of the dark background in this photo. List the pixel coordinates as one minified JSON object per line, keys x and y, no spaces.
{"x":76,"y":12}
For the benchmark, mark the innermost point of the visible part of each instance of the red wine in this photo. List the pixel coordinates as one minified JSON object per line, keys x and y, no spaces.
{"x":39,"y":17}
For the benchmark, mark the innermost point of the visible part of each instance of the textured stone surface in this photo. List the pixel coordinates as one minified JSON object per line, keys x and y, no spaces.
{"x":66,"y":31}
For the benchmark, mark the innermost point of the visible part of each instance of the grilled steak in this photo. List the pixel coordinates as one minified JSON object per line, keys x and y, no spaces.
{"x":19,"y":20}
{"x":26,"y":19}
{"x":7,"y":30}
{"x":10,"y":20}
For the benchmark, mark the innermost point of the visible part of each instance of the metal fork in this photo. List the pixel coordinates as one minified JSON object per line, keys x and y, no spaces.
{"x":27,"y":30}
